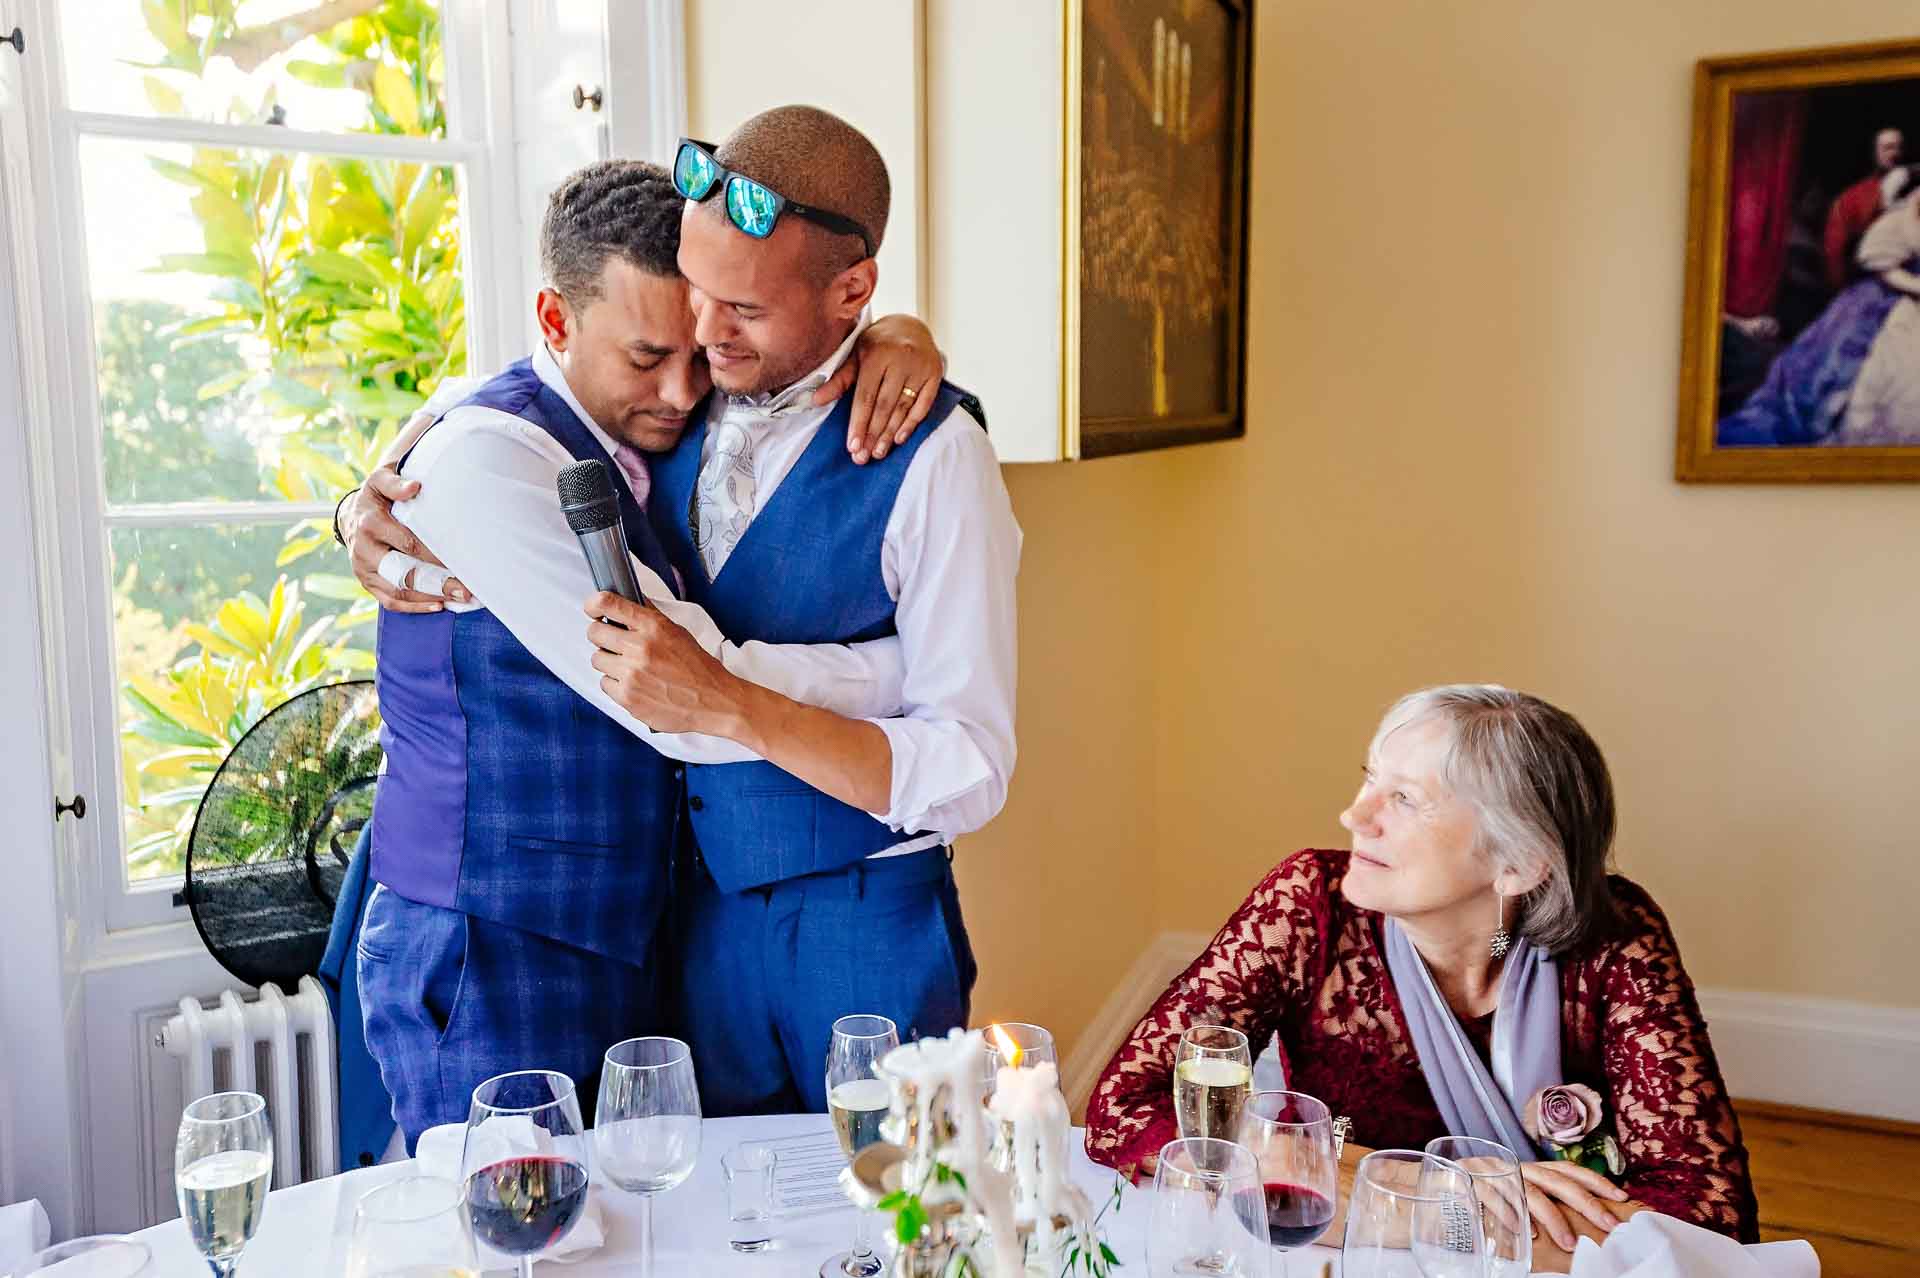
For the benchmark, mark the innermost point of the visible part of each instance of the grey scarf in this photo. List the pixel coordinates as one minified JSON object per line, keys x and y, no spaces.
{"x":1526,"y":1042}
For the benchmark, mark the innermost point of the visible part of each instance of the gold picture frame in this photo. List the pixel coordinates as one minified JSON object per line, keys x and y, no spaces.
{"x":1761,"y":398}
{"x":1155,"y":260}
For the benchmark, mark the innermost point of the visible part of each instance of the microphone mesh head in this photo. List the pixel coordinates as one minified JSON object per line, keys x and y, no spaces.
{"x":586,"y":495}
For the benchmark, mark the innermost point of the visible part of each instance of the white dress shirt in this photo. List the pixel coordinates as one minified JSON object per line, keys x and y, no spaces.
{"x":950,"y":553}
{"x":487,"y":507}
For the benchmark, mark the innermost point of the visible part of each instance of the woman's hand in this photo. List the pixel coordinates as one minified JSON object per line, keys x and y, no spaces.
{"x":1558,"y":1193}
{"x":895,"y":356}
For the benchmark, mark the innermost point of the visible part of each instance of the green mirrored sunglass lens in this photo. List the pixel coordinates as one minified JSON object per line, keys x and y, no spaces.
{"x":751,"y":207}
{"x":693,"y":174}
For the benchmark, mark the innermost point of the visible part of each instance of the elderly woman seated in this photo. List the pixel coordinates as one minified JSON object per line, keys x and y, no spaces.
{"x":1469,"y":952}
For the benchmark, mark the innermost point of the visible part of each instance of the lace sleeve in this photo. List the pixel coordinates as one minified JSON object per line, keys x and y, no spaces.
{"x":1254,"y":969}
{"x":1672,"y":1115}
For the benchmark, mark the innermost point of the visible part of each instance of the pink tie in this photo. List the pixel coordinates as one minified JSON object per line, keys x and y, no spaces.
{"x":633,"y":464}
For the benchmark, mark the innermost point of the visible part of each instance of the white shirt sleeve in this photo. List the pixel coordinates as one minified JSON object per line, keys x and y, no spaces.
{"x":950,"y":558}
{"x":487,"y":508}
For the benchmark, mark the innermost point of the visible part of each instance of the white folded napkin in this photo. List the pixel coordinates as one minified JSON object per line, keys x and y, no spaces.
{"x":24,"y":1233}
{"x":1654,"y":1246}
{"x":438,"y":1153}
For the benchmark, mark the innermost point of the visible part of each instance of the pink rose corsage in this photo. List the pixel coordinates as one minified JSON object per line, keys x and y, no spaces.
{"x":1566,"y":1119}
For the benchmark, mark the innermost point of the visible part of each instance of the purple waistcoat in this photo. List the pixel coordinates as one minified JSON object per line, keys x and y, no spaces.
{"x":507,"y":795}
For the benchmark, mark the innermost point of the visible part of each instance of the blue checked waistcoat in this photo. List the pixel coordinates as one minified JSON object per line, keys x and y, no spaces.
{"x":507,"y":795}
{"x":807,"y":570}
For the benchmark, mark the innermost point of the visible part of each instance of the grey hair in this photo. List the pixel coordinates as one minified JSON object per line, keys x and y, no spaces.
{"x":1540,"y":787}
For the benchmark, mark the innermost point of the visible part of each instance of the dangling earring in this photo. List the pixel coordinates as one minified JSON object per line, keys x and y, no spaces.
{"x":1502,"y":939}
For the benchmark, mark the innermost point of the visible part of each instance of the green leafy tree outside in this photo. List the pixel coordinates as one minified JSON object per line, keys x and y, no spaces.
{"x":340,"y":277}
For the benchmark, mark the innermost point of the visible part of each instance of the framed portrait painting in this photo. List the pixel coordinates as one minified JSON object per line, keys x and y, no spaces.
{"x":1157,"y":103}
{"x":1801,"y":342}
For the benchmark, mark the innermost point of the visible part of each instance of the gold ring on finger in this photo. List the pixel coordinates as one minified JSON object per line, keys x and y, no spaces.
{"x":908,"y":392}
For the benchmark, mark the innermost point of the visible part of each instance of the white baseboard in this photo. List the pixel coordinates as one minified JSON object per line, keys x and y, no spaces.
{"x":1815,"y":1052}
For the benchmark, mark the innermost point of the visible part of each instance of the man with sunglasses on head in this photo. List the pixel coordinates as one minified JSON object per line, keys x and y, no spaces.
{"x":817,"y":880}
{"x":524,"y":828}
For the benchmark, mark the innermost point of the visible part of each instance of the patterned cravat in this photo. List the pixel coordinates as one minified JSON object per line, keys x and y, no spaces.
{"x":633,"y":464}
{"x":724,"y":495}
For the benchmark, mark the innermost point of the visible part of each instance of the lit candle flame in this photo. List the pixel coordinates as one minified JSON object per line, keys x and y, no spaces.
{"x":1008,"y":1049}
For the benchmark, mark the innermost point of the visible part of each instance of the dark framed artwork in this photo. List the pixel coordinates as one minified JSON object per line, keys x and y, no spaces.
{"x":1801,"y":335}
{"x":1157,"y":108}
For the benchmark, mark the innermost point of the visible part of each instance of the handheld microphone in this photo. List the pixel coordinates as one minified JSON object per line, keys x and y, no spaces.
{"x":593,"y":512}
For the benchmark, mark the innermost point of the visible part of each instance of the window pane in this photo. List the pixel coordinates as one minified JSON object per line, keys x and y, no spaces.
{"x":291,"y":62}
{"x":213,"y":627}
{"x":264,"y":320}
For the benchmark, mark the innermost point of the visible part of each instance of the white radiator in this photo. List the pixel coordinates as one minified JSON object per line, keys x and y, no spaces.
{"x":279,"y":1047}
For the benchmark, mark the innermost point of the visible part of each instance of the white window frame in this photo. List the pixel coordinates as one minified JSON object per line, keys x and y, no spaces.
{"x":124,"y":921}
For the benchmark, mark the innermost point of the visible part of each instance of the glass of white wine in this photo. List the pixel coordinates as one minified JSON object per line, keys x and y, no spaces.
{"x":412,"y":1228}
{"x":857,"y":1099}
{"x":1212,"y":1078}
{"x":222,"y":1164}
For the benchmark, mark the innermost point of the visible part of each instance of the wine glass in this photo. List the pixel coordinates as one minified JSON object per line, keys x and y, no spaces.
{"x":1209,"y":1216}
{"x":1290,"y":1135}
{"x":857,"y":1099}
{"x":222,"y":1163}
{"x":1017,"y":1043}
{"x":412,"y":1228}
{"x":1412,"y":1215}
{"x":1212,"y":1076}
{"x":646,"y":1127}
{"x":100,"y":1256}
{"x":1503,"y":1200}
{"x":524,"y":1162}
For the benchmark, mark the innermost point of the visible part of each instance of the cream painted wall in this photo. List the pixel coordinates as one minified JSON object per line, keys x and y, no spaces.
{"x":1466,"y":281}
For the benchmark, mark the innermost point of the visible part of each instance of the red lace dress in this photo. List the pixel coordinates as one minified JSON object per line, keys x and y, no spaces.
{"x":1297,"y":960}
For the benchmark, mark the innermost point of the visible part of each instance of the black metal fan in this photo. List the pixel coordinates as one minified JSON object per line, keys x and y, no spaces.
{"x":276,"y":830}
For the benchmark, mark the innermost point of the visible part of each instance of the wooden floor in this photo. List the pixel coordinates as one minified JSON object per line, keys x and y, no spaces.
{"x":1845,"y":1184}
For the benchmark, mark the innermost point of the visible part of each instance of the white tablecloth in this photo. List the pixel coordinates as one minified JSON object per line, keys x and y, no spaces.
{"x":296,"y":1238}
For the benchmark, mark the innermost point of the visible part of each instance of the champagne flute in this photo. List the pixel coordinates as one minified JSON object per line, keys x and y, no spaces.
{"x":647,"y":1124}
{"x":222,"y":1163}
{"x":1290,"y":1135}
{"x":1412,"y":1215}
{"x":1209,"y":1216}
{"x":1212,"y":1077}
{"x":524,"y":1163}
{"x":1503,"y":1200}
{"x":857,"y":1099}
{"x":412,"y":1228}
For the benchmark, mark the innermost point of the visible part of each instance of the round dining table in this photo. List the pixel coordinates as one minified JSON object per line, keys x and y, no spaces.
{"x":305,"y":1229}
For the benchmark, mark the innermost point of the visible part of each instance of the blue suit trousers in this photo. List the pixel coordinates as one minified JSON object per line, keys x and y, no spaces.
{"x":764,"y":973}
{"x":450,"y":1000}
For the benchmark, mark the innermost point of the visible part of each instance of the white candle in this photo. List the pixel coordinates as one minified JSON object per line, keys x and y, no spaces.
{"x":1159,"y":55}
{"x":1030,"y":1100}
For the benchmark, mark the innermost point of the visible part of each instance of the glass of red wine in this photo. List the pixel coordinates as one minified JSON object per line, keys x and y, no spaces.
{"x":1290,"y":1135}
{"x":524,"y":1163}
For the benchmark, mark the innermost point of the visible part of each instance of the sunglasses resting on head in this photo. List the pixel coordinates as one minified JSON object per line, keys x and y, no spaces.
{"x":752,"y":207}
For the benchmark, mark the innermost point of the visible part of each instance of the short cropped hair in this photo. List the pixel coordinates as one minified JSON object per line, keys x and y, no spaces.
{"x":1543,"y":795}
{"x":613,"y":208}
{"x":817,"y":158}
